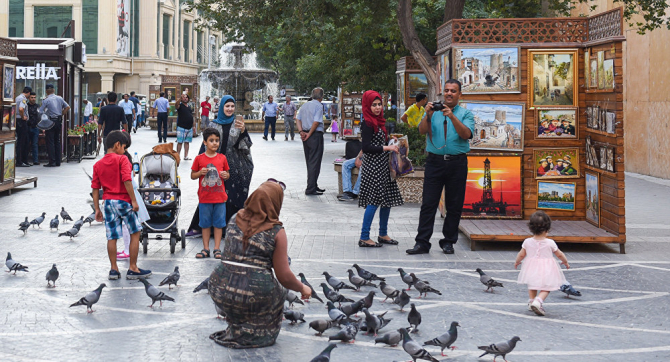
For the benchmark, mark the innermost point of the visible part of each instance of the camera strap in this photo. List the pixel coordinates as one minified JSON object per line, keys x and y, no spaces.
{"x":430,"y":134}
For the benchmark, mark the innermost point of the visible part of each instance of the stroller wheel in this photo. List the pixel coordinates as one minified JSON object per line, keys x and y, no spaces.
{"x":145,"y":242}
{"x":173,"y":243}
{"x":183,"y":239}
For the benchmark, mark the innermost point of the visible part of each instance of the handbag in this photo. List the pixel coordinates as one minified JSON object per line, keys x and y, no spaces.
{"x":399,"y":164}
{"x":330,"y":129}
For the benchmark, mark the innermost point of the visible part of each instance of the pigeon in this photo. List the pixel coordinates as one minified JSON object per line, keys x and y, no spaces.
{"x":423,"y":286}
{"x":53,"y":224}
{"x":324,"y":356}
{"x":201,"y":286}
{"x":488,"y":281}
{"x":38,"y":220}
{"x":406,"y":278}
{"x":220,"y":314}
{"x":446,"y":340}
{"x":389,"y":291}
{"x":65,"y":215}
{"x":336,"y":283}
{"x":334,"y":296}
{"x":294,"y":316}
{"x":71,"y":233}
{"x":346,"y":334}
{"x":569,"y":290}
{"x":391,"y":338}
{"x":500,"y":349}
{"x":52,"y":275}
{"x":358,"y":282}
{"x":402,"y":300}
{"x":292,"y":298}
{"x":172,"y":278}
{"x":154,"y":293}
{"x":335,"y":314}
{"x":320,"y":325}
{"x":90,"y":299}
{"x":375,"y":322}
{"x":90,"y":218}
{"x":25,"y":223}
{"x":366,"y":274}
{"x":13,"y":265}
{"x":413,"y":348}
{"x":351,"y":308}
{"x":24,"y":229}
{"x":367,"y":301}
{"x":414,"y":319}
{"x":78,"y":224}
{"x":305,"y":282}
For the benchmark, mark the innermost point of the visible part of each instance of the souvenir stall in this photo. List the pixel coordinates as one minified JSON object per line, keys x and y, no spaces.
{"x":8,"y":177}
{"x":548,"y":124}
{"x":174,"y":86}
{"x":351,"y":104}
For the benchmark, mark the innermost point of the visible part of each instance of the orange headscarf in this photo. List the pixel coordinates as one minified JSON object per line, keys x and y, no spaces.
{"x":261,"y":210}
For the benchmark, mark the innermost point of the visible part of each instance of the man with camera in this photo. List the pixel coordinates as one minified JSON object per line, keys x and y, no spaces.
{"x":449,"y":128}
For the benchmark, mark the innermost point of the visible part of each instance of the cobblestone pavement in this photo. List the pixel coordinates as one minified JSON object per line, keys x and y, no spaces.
{"x":623,"y":314}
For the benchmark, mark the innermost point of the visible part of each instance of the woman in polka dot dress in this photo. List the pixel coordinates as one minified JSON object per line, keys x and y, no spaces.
{"x":378,"y":190}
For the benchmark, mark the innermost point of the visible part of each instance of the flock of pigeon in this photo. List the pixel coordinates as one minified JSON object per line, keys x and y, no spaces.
{"x":53,"y":224}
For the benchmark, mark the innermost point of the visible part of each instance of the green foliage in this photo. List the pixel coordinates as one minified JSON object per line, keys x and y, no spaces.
{"x":417,"y":143}
{"x":96,"y":111}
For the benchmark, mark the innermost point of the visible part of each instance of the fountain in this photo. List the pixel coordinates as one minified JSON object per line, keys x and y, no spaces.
{"x":240,"y":76}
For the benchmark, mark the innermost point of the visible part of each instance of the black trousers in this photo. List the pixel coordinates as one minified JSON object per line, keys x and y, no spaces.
{"x":313,"y":149}
{"x":450,"y":175}
{"x":22,"y":142}
{"x":53,"y":138}
{"x":270,"y":121}
{"x":161,"y":122}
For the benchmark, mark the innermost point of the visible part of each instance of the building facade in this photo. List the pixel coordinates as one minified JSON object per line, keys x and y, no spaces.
{"x":130,"y":44}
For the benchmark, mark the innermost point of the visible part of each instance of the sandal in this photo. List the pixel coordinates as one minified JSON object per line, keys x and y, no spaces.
{"x":217,"y":254}
{"x":363,"y":244}
{"x":389,"y":241}
{"x":204,"y":253}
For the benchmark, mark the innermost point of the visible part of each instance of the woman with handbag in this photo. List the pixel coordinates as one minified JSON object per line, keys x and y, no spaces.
{"x":378,"y":189}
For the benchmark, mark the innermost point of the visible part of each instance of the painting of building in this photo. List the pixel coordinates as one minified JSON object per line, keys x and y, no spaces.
{"x":498,"y":126}
{"x":487,"y":69}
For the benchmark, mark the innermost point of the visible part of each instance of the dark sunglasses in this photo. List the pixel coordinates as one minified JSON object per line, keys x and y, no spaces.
{"x":283,"y":185}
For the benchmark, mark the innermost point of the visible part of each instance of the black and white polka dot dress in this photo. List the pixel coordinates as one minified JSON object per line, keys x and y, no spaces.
{"x":377,"y":187}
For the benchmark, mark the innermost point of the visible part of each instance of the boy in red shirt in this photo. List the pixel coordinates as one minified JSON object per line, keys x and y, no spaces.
{"x":211,"y":169}
{"x":113,"y":174}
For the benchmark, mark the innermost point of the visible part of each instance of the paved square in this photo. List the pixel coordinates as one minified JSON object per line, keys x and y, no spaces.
{"x":623,"y":314}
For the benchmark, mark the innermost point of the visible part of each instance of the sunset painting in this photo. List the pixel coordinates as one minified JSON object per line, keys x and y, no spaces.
{"x":493,"y":188}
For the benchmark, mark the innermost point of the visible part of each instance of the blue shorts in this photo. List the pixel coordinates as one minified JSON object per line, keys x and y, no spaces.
{"x":184,"y":135}
{"x":116,"y":213}
{"x":212,"y":215}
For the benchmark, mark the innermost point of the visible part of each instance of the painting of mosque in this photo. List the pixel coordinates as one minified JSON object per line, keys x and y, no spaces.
{"x":498,"y":126}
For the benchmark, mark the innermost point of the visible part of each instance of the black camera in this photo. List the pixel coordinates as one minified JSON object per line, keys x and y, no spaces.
{"x":437,"y":106}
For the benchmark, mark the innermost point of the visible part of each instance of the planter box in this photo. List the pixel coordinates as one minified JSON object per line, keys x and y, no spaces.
{"x":410,"y":185}
{"x":75,"y":148}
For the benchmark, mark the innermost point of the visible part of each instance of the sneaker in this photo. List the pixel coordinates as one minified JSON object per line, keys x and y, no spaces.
{"x":193,"y":234}
{"x":135,"y":275}
{"x":529,"y":308}
{"x":536,"y":307}
{"x":114,"y":275}
{"x":122,"y":256}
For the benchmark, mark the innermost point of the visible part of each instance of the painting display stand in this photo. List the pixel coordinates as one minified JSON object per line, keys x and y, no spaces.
{"x":20,"y":181}
{"x":567,"y":75}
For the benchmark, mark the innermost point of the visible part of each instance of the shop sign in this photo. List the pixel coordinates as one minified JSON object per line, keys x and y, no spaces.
{"x":39,"y":71}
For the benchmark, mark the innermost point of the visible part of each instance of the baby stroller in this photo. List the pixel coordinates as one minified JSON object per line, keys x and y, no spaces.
{"x":159,"y":189}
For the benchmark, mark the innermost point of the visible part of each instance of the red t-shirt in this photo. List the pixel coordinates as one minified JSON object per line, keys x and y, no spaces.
{"x":205,"y":108}
{"x":211,"y":189}
{"x":109,"y":174}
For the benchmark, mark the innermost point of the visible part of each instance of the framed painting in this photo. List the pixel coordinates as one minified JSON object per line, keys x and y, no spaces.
{"x":12,"y":117}
{"x":8,"y":79}
{"x":553,"y":195}
{"x":357,"y":100}
{"x":417,"y":83}
{"x":348,"y":108}
{"x":556,"y":123}
{"x":553,"y":77}
{"x":347,"y":101}
{"x":6,"y":117}
{"x":186,"y":89}
{"x":593,"y":74}
{"x":556,"y":163}
{"x":348,"y":114}
{"x":608,"y":74}
{"x":610,"y":126}
{"x":603,"y":157}
{"x":170,"y":93}
{"x":593,"y":198}
{"x":357,"y":116}
{"x":493,"y":188}
{"x":8,"y":161}
{"x":498,"y":126}
{"x":444,"y":69}
{"x":610,"y":159}
{"x":487,"y":69}
{"x":586,"y":69}
{"x":601,"y":75}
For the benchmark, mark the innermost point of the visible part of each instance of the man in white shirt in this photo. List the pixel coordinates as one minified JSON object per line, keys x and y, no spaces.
{"x":88,"y":110}
{"x":310,"y":125}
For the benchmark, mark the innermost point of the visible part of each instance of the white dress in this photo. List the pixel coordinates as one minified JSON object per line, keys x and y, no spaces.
{"x":539,"y":268}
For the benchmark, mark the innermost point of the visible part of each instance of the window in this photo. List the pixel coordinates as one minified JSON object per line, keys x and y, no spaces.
{"x":16,"y":18}
{"x":200,"y":49}
{"x":187,"y":40}
{"x":135,"y":28}
{"x":89,"y":30}
{"x":50,"y":21}
{"x":166,"y":36}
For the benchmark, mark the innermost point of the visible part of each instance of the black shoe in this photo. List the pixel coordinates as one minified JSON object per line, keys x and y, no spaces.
{"x":265,"y":138}
{"x":49,"y":165}
{"x":417,"y":249}
{"x":314,"y":193}
{"x":353,"y":195}
{"x":320,"y":190}
{"x":36,"y":163}
{"x":345,"y":197}
{"x":272,"y":139}
{"x":448,"y":248}
{"x":22,"y":165}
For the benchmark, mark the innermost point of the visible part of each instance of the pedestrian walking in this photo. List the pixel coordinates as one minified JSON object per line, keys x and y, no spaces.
{"x":205,"y":108}
{"x":130,"y":111}
{"x":289,"y":121}
{"x":161,"y":106}
{"x":110,"y":118}
{"x":310,"y":124}
{"x":378,"y":189}
{"x":88,"y":110}
{"x":185,"y":124}
{"x":32,"y":108}
{"x":539,"y":269}
{"x":269,"y":114}
{"x":449,"y":131}
{"x":334,"y":128}
{"x":22,"y":128}
{"x":55,"y":108}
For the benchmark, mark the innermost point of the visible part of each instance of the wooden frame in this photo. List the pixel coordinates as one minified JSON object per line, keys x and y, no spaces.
{"x":8,"y":82}
{"x":540,"y":112}
{"x":444,"y":68}
{"x":546,"y":90}
{"x":2,"y":159}
{"x":12,"y":117}
{"x":514,"y":78}
{"x":515,"y":106}
{"x":475,"y":193}
{"x":411,"y":91}
{"x":171,"y":99}
{"x":5,"y":125}
{"x":571,"y":153}
{"x":593,"y":198}
{"x":8,"y":164}
{"x":574,"y":195}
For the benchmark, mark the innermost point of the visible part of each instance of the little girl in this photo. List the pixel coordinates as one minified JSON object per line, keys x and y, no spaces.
{"x":335,"y":129}
{"x":539,"y":269}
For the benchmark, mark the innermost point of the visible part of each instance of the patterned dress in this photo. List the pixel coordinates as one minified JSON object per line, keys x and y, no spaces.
{"x":247,"y":291}
{"x":238,"y":152}
{"x":377,"y":187}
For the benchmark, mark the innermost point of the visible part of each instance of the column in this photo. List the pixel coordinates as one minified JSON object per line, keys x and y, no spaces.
{"x":28,"y":22}
{"x":4,"y":18}
{"x":145,"y":81}
{"x":106,"y":81}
